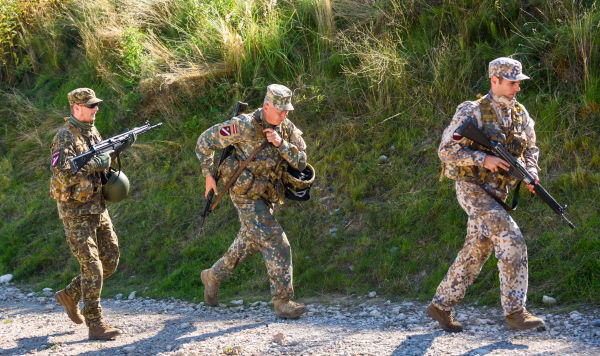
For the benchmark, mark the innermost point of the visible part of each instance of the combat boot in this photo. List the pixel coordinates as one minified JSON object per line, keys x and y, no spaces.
{"x":287,"y":309}
{"x":98,"y":330}
{"x":523,"y":320}
{"x":445,"y":319}
{"x":71,"y":306}
{"x":211,"y":287}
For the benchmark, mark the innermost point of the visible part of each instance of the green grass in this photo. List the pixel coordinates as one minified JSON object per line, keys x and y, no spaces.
{"x":370,"y":79}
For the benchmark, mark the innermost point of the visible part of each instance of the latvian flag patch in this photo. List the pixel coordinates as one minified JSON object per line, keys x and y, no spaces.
{"x":229,"y":130}
{"x":55,"y":156}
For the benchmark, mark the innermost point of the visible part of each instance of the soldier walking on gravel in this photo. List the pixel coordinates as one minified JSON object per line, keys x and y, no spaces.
{"x":82,"y":208}
{"x":482,"y":186}
{"x":256,"y":191}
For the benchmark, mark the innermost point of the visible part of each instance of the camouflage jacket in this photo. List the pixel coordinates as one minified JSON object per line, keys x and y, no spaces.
{"x":81,"y":193}
{"x":262,"y":177}
{"x":455,"y":151}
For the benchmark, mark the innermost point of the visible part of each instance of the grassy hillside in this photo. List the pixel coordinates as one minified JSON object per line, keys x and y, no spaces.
{"x":376,"y":82}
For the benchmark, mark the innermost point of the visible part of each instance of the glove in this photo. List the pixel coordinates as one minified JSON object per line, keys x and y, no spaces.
{"x":101,"y":161}
{"x":130,"y":140}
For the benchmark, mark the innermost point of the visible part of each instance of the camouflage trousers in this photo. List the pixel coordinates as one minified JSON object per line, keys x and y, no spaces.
{"x":259,"y":232}
{"x":94,"y":243}
{"x":490,"y":227}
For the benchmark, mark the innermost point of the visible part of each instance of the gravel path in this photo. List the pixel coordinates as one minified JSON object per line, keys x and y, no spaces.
{"x":33,"y":323}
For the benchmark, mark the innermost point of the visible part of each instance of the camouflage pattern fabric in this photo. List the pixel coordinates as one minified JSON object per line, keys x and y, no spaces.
{"x":490,"y":227}
{"x":81,"y":206}
{"x":259,"y":232}
{"x":84,"y":96}
{"x":455,"y":150}
{"x":94,"y":243}
{"x":507,"y":68}
{"x":246,"y":136}
{"x":80,"y":193}
{"x":280,"y":97}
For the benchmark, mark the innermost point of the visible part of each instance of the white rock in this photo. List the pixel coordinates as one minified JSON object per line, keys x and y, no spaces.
{"x":372,"y":294}
{"x":375,"y":313}
{"x":548,"y":300}
{"x":119,"y":296}
{"x":129,"y":348}
{"x":383,"y":158}
{"x":49,"y":306}
{"x":47,"y":292}
{"x":5,"y":278}
{"x":184,"y":325}
{"x":131,"y":295}
{"x":237,"y":302}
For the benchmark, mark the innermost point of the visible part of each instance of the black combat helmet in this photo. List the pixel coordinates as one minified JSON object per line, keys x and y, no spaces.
{"x":297,"y":183}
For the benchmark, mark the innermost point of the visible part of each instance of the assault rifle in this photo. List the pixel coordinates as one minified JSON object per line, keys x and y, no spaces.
{"x":115,"y":143}
{"x":240,"y":108}
{"x":469,"y":130}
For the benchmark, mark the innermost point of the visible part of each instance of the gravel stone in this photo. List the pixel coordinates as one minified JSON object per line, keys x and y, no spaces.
{"x":332,"y":326}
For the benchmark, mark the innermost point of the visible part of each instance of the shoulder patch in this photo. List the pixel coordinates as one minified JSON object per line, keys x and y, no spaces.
{"x":55,"y":157}
{"x":229,"y":130}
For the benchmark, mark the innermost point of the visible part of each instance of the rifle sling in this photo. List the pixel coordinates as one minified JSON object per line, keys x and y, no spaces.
{"x":515,"y":200}
{"x":237,"y":174}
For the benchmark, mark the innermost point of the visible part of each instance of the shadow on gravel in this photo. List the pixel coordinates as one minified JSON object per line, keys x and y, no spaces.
{"x":500,"y":345}
{"x":417,"y":344}
{"x":170,"y":334}
{"x":29,"y":345}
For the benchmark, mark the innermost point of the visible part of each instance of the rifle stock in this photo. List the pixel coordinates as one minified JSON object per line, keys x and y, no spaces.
{"x":469,"y":130}
{"x":81,"y":160}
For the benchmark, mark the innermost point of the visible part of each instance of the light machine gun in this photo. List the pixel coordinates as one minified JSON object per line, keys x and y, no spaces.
{"x":469,"y":130}
{"x":115,"y":143}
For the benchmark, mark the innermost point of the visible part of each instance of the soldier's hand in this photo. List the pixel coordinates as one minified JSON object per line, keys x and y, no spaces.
{"x":273,"y":137}
{"x":211,"y":184}
{"x":101,"y":161}
{"x":493,"y":163}
{"x":530,"y":186}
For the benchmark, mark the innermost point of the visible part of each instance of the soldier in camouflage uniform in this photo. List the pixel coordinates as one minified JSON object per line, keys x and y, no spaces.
{"x":256,"y":191}
{"x":81,"y":206}
{"x":479,"y":177}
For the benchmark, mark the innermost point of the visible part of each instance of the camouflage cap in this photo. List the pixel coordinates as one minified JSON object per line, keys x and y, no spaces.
{"x":507,"y":68}
{"x":82,"y":96}
{"x":280,"y":97}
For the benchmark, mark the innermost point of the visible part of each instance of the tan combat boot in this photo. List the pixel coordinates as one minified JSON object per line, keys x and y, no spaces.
{"x":71,"y":306}
{"x":445,"y":319}
{"x":211,"y":287}
{"x":287,"y":309}
{"x":523,"y":320}
{"x":98,"y":330}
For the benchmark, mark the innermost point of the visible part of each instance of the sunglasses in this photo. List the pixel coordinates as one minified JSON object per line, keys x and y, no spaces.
{"x":90,"y":106}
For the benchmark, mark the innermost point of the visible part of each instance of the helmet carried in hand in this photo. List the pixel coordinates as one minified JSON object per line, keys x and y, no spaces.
{"x":116,"y":186}
{"x":297,"y":183}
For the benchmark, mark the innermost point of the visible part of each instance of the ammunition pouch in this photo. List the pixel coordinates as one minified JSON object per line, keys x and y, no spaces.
{"x":80,"y":192}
